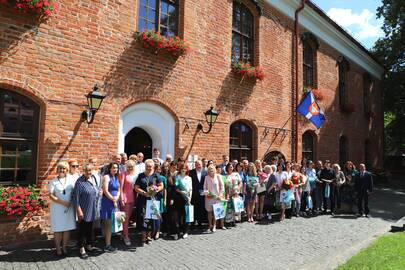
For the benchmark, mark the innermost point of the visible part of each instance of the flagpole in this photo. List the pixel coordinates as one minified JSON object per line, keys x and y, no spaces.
{"x":295,"y":101}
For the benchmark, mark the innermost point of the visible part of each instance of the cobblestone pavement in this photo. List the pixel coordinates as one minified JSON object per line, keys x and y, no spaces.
{"x":300,"y":243}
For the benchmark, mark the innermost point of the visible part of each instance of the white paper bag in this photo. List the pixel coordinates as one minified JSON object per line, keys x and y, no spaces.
{"x":238,"y":205}
{"x":152,"y":209}
{"x":219,"y":210}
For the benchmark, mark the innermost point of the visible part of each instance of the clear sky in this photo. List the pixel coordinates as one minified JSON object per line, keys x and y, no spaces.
{"x":358,"y":17}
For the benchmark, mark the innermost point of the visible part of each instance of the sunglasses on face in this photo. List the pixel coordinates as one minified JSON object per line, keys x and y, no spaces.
{"x":74,"y":166}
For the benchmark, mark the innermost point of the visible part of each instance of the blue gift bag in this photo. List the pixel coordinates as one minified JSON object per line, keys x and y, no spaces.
{"x":327,"y":191}
{"x":287,"y":196}
{"x":310,"y":205}
{"x":189,"y":213}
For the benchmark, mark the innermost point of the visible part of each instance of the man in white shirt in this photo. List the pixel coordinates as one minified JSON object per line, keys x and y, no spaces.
{"x":156,"y":156}
{"x":140,"y":165}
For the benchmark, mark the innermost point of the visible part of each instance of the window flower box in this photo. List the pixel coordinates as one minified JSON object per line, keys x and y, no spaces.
{"x":42,"y":8}
{"x":348,"y":108}
{"x":246,"y":70}
{"x":21,"y":201}
{"x":168,"y":46}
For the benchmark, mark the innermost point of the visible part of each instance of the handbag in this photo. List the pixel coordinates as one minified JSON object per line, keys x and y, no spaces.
{"x":261,"y":188}
{"x":118,"y":218}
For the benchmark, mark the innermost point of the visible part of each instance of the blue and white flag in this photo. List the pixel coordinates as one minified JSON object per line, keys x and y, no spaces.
{"x":311,"y":110}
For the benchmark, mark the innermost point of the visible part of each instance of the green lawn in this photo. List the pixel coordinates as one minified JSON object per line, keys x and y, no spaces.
{"x":387,"y":252}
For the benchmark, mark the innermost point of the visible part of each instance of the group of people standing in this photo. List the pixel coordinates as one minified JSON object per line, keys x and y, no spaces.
{"x":86,"y":201}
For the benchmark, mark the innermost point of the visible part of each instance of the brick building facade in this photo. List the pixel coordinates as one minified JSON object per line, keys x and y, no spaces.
{"x":47,"y":68}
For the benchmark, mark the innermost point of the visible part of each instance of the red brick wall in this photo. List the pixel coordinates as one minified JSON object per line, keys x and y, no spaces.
{"x":92,"y":42}
{"x":18,"y":230}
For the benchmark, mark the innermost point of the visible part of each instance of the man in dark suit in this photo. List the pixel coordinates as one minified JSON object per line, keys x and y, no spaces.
{"x":197,"y":176}
{"x":364,"y":187}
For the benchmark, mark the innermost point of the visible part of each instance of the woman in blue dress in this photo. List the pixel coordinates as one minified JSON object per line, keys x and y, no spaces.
{"x":109,"y":202}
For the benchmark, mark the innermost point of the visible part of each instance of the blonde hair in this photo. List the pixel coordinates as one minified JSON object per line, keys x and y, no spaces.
{"x":150,"y":162}
{"x":88,"y":167}
{"x":130,"y":163}
{"x":268,"y":167}
{"x":212,"y":167}
{"x":72,"y":160}
{"x":62,"y":164}
{"x":252,"y":169}
{"x":133,"y":157}
{"x":336,"y":166}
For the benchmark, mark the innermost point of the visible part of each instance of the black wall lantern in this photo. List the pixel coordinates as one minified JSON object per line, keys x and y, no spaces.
{"x":211,"y":117}
{"x":94,"y":100}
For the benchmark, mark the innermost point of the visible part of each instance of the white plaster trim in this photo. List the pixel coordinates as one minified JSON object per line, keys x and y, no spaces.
{"x":312,"y":21}
{"x":155,"y":120}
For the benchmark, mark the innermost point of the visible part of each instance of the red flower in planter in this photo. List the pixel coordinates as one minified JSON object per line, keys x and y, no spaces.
{"x":246,"y":70}
{"x":169,"y":46}
{"x":316,"y":92}
{"x":20,"y":200}
{"x":42,"y":8}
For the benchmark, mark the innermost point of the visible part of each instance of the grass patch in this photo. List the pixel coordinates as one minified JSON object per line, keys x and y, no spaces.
{"x":387,"y":252}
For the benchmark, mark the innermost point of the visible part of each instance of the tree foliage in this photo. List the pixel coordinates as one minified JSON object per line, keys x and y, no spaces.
{"x":390,"y":50}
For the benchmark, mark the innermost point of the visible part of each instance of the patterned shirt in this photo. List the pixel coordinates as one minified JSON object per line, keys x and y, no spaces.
{"x":85,"y":195}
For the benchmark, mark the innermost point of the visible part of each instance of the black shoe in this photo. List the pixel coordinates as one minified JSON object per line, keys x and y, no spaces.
{"x":110,"y":249}
{"x":367,"y":216}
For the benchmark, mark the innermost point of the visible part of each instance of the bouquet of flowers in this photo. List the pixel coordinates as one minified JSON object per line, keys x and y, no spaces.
{"x":287,"y":184}
{"x":152,"y":191}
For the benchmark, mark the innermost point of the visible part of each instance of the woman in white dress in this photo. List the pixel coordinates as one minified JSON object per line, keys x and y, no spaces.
{"x":62,"y":212}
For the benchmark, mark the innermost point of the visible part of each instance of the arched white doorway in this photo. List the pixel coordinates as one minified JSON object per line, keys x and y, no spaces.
{"x":152,"y":118}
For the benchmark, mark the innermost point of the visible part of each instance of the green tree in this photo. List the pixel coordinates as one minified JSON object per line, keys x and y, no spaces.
{"x":390,"y":50}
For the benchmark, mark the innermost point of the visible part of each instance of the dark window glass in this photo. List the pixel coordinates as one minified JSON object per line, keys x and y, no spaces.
{"x":19,"y":120}
{"x":342,"y":85}
{"x":343,"y":151}
{"x":308,"y":146}
{"x":240,"y":141}
{"x":366,"y":93}
{"x":242,"y":34}
{"x":367,"y":154}
{"x":158,"y":15}
{"x":308,"y":62}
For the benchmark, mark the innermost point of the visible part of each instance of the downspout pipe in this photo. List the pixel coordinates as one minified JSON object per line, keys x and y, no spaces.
{"x":296,"y":92}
